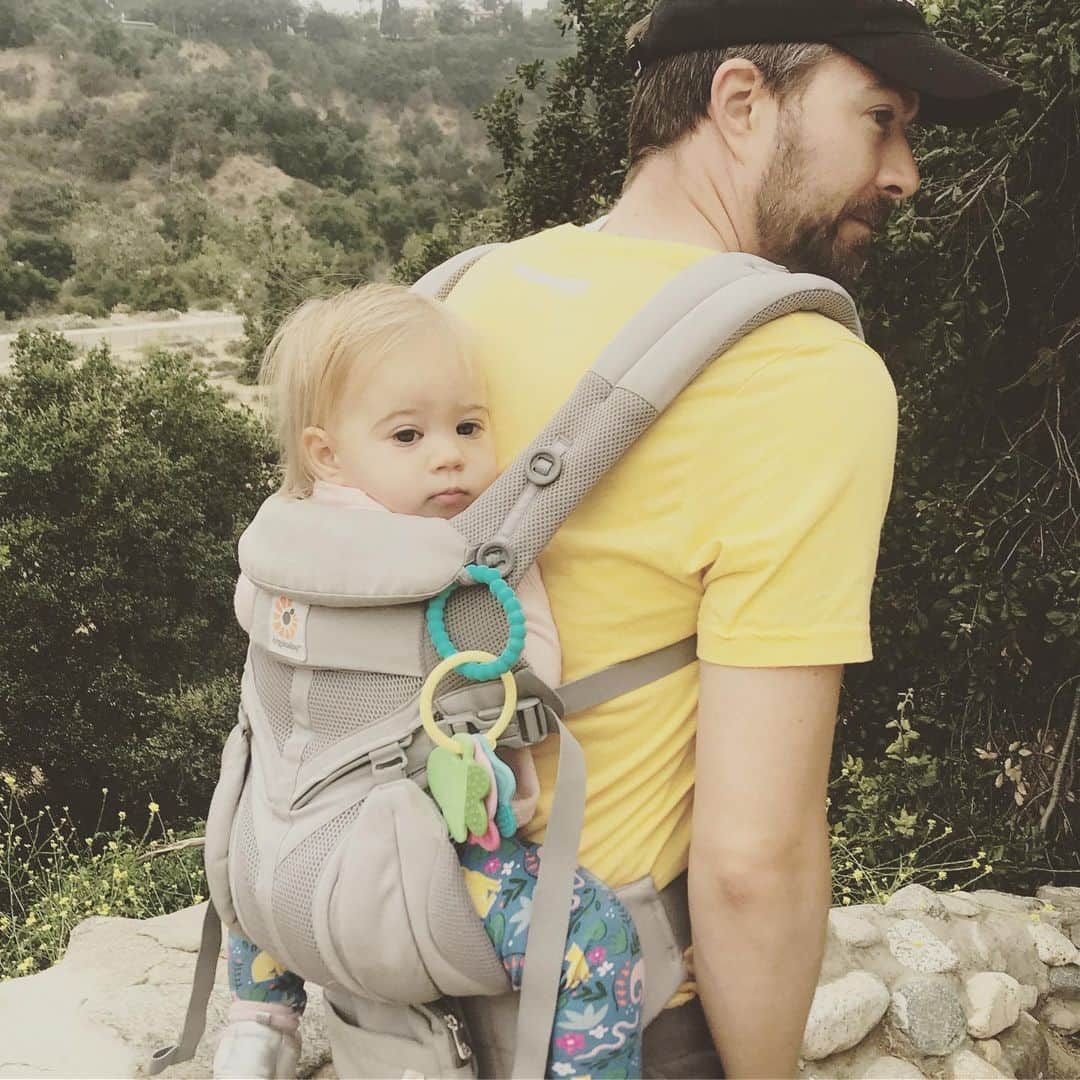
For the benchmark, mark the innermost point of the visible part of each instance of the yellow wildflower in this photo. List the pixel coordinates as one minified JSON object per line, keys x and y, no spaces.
{"x":154,"y":808}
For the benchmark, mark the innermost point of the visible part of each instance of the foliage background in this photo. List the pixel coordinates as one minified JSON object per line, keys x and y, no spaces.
{"x":122,"y":494}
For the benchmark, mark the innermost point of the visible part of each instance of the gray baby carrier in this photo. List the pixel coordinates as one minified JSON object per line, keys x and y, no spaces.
{"x":322,"y":843}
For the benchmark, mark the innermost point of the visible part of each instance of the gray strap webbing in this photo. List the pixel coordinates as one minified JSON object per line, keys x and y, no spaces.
{"x":550,"y":918}
{"x":195,"y":1020}
{"x":619,"y":679}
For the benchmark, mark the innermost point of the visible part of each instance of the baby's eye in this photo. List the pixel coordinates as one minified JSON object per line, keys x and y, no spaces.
{"x":406,"y":436}
{"x":883,"y":117}
{"x":469,"y":427}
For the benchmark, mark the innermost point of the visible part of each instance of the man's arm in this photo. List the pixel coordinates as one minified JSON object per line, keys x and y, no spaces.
{"x":759,"y":857}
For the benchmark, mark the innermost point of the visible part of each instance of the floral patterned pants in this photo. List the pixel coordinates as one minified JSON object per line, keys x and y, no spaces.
{"x":597,"y":1030}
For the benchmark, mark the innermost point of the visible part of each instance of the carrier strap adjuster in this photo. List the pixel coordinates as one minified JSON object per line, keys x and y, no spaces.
{"x":388,"y":762}
{"x":530,"y":716}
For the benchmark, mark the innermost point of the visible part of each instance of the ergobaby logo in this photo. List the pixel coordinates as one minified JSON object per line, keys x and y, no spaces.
{"x":288,"y":627}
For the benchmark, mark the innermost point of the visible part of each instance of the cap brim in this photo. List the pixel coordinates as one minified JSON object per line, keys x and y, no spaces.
{"x":953,"y":88}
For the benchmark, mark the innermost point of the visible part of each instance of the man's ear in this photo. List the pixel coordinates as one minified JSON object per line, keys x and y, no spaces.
{"x":319,"y":454}
{"x":738,"y":101}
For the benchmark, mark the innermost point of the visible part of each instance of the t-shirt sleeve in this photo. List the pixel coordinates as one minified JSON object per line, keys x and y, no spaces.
{"x":788,"y":507}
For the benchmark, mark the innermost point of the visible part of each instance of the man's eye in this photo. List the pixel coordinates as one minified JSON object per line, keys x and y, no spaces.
{"x":469,"y":427}
{"x":406,"y":436}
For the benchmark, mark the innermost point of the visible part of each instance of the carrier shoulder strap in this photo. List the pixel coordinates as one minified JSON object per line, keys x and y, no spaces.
{"x":695,"y":318}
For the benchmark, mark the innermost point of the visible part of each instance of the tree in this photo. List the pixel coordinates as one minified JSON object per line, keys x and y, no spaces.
{"x":451,"y":17}
{"x":42,"y":207}
{"x":390,"y":19}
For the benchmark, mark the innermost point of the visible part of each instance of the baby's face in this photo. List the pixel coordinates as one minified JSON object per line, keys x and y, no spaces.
{"x":414,"y":432}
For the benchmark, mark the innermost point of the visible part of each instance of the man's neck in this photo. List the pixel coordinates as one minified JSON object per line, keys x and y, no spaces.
{"x":666,"y":202}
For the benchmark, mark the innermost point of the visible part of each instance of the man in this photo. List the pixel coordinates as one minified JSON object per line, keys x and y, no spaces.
{"x":751,"y":511}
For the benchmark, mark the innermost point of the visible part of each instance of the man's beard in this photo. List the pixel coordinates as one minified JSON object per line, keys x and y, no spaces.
{"x":805,"y":237}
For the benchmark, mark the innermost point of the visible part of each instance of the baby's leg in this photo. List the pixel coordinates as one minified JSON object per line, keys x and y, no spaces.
{"x":597,"y":1028}
{"x":260,"y":985}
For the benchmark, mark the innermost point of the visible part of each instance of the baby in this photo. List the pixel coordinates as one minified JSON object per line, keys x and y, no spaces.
{"x":379,"y":406}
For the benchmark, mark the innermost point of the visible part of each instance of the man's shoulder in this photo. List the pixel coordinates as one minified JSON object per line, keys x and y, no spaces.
{"x":804,"y":347}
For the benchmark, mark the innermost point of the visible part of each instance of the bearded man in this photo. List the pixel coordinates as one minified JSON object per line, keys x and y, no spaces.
{"x":750,"y":512}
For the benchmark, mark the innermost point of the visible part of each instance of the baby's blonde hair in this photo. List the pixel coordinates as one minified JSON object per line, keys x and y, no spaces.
{"x":308,"y":361}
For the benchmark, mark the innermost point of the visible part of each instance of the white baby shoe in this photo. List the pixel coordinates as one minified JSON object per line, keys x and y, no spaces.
{"x":254,"y":1050}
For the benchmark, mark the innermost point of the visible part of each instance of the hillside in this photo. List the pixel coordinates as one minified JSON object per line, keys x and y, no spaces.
{"x":178,"y":164}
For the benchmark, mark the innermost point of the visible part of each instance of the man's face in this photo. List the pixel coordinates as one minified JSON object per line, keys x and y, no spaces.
{"x":840,"y":164}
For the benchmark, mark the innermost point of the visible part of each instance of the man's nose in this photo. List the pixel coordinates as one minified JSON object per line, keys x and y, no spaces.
{"x":899,"y":176}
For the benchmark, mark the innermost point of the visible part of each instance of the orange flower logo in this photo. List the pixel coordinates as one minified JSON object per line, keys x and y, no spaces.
{"x":285,"y":621}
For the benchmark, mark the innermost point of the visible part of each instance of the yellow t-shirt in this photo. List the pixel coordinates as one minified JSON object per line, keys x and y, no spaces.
{"x":749,"y":512}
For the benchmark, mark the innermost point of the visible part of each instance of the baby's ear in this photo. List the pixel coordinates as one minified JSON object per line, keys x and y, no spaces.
{"x":319,"y":456}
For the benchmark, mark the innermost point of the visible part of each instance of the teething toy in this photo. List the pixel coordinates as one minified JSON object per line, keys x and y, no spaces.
{"x":505,"y":789}
{"x":480,"y":672}
{"x":458,"y":783}
{"x":427,"y":699}
{"x":490,"y":839}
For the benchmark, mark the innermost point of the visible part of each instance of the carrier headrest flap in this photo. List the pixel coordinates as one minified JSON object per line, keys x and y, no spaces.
{"x":349,"y":557}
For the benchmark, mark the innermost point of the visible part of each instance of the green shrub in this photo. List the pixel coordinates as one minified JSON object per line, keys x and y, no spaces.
{"x":111,"y":146}
{"x":42,"y":207}
{"x":159,"y":289}
{"x":95,"y":76}
{"x":22,"y":286}
{"x":50,"y":255}
{"x":122,"y":498}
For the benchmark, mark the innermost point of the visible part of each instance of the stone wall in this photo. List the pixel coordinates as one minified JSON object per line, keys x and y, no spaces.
{"x":947,"y":985}
{"x":963,"y":985}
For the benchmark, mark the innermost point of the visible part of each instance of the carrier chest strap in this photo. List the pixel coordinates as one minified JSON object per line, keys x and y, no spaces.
{"x":621,"y":678}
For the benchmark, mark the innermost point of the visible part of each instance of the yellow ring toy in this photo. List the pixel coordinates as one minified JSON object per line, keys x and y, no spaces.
{"x":439,"y":672}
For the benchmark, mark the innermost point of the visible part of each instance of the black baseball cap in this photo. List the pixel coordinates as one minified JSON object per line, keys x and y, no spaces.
{"x":890,"y":36}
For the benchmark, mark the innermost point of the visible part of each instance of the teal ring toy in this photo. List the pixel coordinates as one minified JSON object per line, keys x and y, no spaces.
{"x":515,"y":643}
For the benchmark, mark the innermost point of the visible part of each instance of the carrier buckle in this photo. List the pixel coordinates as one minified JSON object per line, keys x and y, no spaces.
{"x":530,"y":717}
{"x":388,"y":762}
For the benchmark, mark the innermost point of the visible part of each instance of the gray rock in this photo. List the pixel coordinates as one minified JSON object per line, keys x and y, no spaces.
{"x":1065,"y":981}
{"x":1025,"y":1047}
{"x":929,"y":1013}
{"x":990,"y":1050}
{"x":916,"y":898}
{"x":992,"y":1003}
{"x":967,"y":1065}
{"x":919,"y":948}
{"x":892,"y":1068}
{"x":1013,"y":949}
{"x":853,"y":929}
{"x":1061,"y":1015}
{"x":1065,"y":898}
{"x":1006,"y":903}
{"x":843,"y":1013}
{"x":122,"y":989}
{"x":960,"y":905}
{"x":1052,"y":946}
